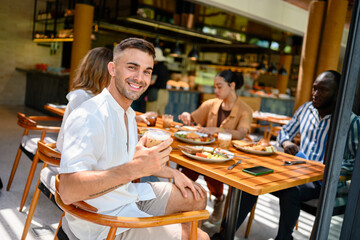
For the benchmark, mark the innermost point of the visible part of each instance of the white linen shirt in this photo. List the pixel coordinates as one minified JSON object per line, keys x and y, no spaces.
{"x":75,"y":98}
{"x":95,"y":139}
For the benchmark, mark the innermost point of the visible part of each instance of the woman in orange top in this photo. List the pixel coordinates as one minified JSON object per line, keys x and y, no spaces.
{"x":225,"y":113}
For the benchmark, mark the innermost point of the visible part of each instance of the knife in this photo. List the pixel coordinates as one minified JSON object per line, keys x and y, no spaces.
{"x":232,"y":166}
{"x":241,"y":157}
{"x":286,"y":163}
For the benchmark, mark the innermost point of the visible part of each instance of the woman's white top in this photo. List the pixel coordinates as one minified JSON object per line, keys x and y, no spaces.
{"x":75,"y":98}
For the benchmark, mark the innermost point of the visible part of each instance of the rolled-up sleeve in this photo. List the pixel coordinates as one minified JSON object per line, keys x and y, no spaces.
{"x":290,"y":130}
{"x":200,"y":115}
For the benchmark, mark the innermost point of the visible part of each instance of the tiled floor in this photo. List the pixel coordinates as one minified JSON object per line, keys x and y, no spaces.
{"x":47,"y":214}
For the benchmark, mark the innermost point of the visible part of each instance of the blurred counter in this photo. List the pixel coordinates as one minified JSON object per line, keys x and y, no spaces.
{"x":44,"y":87}
{"x":182,"y":101}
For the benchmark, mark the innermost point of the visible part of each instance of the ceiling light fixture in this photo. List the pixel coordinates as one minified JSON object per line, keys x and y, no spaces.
{"x":272,"y":69}
{"x":193,"y":54}
{"x":261,"y":66}
{"x":157,"y":42}
{"x":176,"y":51}
{"x":282,"y":71}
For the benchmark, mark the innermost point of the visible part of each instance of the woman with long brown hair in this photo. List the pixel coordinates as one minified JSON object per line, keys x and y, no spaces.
{"x":92,"y":76}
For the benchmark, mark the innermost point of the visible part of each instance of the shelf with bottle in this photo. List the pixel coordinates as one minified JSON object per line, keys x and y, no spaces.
{"x":53,"y":21}
{"x":220,"y":68}
{"x":63,"y":35}
{"x":38,"y":40}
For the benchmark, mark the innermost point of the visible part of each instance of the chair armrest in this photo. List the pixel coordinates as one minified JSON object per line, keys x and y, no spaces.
{"x":132,"y":222}
{"x":45,"y":118}
{"x":46,"y":128}
{"x":85,"y":206}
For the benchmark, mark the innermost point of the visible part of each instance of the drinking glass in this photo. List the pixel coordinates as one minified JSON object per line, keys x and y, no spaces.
{"x":224,"y":140}
{"x":167,"y":120}
{"x":151,"y":117}
{"x":155,"y":137}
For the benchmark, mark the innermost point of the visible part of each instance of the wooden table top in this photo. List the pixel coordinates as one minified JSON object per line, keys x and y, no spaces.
{"x":283,"y":176}
{"x":272,"y":118}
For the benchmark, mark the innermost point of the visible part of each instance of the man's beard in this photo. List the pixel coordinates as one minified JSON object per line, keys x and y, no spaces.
{"x":325,"y":105}
{"x":128,"y":94}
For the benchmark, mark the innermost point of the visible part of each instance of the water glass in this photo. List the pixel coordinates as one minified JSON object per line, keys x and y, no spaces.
{"x":224,"y":140}
{"x":167,"y":120}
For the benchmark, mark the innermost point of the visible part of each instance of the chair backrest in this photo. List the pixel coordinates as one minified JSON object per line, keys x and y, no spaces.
{"x":25,"y":122}
{"x":340,"y":200}
{"x":132,"y":222}
{"x":274,"y":131}
{"x":253,"y":102}
{"x":48,"y":154}
{"x":30,"y":122}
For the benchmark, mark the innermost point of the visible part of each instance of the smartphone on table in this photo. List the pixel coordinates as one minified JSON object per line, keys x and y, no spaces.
{"x":258,"y":170}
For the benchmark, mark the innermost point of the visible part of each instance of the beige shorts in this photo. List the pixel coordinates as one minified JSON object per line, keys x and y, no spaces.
{"x":155,"y":207}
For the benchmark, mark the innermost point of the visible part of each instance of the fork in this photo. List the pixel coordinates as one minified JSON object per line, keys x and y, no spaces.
{"x":234,"y":165}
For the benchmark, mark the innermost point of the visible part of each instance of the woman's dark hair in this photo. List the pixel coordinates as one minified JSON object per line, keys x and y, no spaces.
{"x":230,"y":76}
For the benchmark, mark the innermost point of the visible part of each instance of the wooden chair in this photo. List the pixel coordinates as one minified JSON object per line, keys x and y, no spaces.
{"x":274,"y":132}
{"x":130,"y":222}
{"x":311,"y":206}
{"x":48,"y":154}
{"x":340,"y":201}
{"x":255,"y":104}
{"x":28,"y":145}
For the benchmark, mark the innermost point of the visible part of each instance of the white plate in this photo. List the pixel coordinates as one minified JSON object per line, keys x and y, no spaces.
{"x":188,"y":128}
{"x":209,"y":149}
{"x":256,"y":152}
{"x":192,"y":141}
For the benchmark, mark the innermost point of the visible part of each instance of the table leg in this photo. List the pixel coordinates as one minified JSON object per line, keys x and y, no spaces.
{"x":232,"y":215}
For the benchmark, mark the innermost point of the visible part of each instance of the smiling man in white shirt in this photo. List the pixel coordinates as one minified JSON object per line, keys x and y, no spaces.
{"x":101,"y":156}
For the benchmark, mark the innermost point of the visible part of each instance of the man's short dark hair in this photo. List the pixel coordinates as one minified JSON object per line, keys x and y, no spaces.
{"x":136,"y":43}
{"x":336,"y":76}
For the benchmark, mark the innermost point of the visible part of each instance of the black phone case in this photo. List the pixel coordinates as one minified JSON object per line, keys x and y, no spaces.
{"x":258,"y":170}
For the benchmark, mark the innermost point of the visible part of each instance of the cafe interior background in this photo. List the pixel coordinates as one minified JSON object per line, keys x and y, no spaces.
{"x":198,"y":38}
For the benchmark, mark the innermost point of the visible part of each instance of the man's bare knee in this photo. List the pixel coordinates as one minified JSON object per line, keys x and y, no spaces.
{"x":198,"y":204}
{"x":186,"y":228}
{"x":201,"y":203}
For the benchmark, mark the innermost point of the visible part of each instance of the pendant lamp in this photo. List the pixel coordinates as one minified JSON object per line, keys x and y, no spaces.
{"x":282,"y":71}
{"x":193,"y":54}
{"x":176,"y":51}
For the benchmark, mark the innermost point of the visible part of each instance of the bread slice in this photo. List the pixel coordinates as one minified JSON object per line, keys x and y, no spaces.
{"x":190,"y":149}
{"x":242,"y":143}
{"x":192,"y":135}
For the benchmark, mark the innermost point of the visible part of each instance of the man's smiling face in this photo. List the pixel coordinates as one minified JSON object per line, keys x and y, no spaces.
{"x":133,"y":69}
